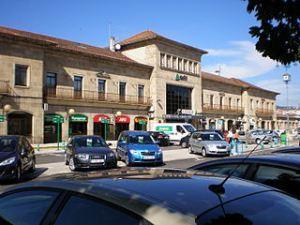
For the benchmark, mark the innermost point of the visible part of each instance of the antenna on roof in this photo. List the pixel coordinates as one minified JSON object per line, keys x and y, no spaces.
{"x":219,"y":188}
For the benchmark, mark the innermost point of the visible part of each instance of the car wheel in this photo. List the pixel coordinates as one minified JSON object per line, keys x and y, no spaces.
{"x":257,"y":141}
{"x":72,"y":166}
{"x":32,"y":168}
{"x":184,"y":144}
{"x":127,"y":161}
{"x":66,"y":160}
{"x":18,"y":174}
{"x":203,"y":152}
{"x":191,"y":151}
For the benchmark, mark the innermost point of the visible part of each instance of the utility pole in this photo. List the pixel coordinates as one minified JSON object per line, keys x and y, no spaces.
{"x":286,"y":79}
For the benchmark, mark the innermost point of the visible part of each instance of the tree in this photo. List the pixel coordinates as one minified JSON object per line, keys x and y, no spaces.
{"x":278,"y":32}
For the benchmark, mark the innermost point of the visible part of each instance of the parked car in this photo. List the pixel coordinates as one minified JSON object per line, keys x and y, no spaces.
{"x":89,"y":152}
{"x":16,"y":157}
{"x":208,"y":143}
{"x":161,"y":138}
{"x":176,"y":131}
{"x":144,"y":197}
{"x":278,"y":170}
{"x":255,"y":136}
{"x":138,"y":147}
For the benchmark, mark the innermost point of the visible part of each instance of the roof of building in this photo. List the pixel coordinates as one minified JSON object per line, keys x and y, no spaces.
{"x":66,"y":45}
{"x":232,"y":81}
{"x":150,"y":35}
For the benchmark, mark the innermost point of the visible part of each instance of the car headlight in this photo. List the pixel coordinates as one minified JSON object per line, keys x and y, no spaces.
{"x":84,"y":157}
{"x":8,"y":161}
{"x":159,"y":151}
{"x":111,"y":155}
{"x":133,"y":152}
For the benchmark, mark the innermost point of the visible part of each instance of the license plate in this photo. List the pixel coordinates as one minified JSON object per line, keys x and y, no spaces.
{"x":149,"y":157}
{"x":97,"y":160}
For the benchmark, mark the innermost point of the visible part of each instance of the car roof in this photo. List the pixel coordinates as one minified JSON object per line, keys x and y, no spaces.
{"x":135,"y":132}
{"x":186,"y":192}
{"x":288,"y":160}
{"x":11,"y":136}
{"x":87,"y":136}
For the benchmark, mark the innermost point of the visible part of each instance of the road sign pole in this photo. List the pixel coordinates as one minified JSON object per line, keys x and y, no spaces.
{"x":58,"y":134}
{"x":105,"y":131}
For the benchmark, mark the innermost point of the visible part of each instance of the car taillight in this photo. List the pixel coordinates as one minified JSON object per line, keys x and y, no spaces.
{"x":160,"y":136}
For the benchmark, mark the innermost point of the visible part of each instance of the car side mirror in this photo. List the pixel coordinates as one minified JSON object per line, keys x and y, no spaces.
{"x":23,"y":151}
{"x":69,"y":145}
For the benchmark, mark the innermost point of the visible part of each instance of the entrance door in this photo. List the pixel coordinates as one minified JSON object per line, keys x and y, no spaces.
{"x":19,"y":123}
{"x":78,"y":125}
{"x":120,"y":127}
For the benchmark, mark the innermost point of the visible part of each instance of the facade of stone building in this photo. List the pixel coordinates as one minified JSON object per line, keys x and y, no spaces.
{"x":51,"y":89}
{"x":285,"y":115}
{"x":230,"y":101}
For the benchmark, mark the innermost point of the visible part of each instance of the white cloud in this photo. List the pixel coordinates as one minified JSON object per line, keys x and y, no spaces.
{"x":241,"y":61}
{"x":279,"y":86}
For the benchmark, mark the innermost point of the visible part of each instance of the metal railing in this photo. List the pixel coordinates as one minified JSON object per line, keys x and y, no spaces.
{"x":4,"y":87}
{"x":264,"y":112}
{"x":71,"y":94}
{"x":224,"y":109}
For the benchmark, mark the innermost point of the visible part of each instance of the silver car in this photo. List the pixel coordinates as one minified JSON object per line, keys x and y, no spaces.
{"x":255,"y":136}
{"x":208,"y":143}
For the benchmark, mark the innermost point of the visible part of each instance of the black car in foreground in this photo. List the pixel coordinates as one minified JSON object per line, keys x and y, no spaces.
{"x":145,"y":197}
{"x":16,"y":157}
{"x":89,"y":152}
{"x":278,"y":170}
{"x":161,"y":138}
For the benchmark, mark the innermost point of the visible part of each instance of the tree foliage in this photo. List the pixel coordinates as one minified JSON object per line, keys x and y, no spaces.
{"x":278,"y":32}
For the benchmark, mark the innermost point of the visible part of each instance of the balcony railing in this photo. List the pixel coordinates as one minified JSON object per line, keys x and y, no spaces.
{"x":4,"y":87}
{"x":222,"y":109}
{"x":264,"y":112}
{"x":71,"y":94}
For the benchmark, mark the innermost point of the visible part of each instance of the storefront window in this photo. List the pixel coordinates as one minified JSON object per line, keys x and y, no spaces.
{"x":178,"y":98}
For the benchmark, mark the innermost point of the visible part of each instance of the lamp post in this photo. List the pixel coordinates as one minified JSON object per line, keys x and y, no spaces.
{"x":286,"y":79}
{"x":70,"y":113}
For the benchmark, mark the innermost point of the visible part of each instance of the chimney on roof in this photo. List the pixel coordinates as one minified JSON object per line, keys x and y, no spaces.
{"x":112,"y":43}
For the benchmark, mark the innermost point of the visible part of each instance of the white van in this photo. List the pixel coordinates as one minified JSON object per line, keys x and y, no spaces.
{"x":176,"y":131}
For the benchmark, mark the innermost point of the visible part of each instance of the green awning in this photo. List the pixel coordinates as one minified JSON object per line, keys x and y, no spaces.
{"x":50,"y":118}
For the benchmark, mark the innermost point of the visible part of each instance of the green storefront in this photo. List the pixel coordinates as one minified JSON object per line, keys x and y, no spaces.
{"x":78,"y":124}
{"x":52,"y":127}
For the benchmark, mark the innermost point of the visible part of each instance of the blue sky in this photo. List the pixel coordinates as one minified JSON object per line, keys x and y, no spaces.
{"x":219,"y":26}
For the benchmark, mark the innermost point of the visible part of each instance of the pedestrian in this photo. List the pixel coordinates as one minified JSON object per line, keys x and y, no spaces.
{"x":230,"y":136}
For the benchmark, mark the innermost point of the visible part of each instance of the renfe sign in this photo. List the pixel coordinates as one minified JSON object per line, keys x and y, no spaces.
{"x":122,"y":119}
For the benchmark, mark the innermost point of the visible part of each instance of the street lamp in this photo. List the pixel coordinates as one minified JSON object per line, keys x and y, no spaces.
{"x":286,"y":79}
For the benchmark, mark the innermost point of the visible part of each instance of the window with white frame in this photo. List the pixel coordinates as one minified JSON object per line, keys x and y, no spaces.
{"x":21,"y":75}
{"x":174,"y":66}
{"x":162,"y":60}
{"x":180,"y":64}
{"x":169,"y":62}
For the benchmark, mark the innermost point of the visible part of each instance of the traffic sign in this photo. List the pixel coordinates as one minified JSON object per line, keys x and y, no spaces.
{"x":106,"y":121}
{"x":57,"y":119}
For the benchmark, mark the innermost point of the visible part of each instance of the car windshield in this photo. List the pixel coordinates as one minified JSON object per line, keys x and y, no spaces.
{"x":8,"y":144}
{"x":141,"y":139}
{"x":89,"y":142}
{"x":189,"y":128}
{"x":211,"y":137}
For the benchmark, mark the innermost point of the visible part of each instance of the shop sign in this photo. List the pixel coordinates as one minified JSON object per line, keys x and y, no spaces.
{"x":57,"y":119}
{"x":2,"y":118}
{"x":181,"y":77}
{"x":141,"y":120}
{"x":164,"y":129}
{"x":78,"y":118}
{"x":122,"y":119}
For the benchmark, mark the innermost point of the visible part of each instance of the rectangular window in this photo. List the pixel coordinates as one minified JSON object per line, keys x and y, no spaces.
{"x":238,"y":102}
{"x":195,"y":67}
{"x":169,"y":62}
{"x":178,"y":98}
{"x":141,"y":93}
{"x":185,"y":65}
{"x":77,"y":87}
{"x":268,"y":105}
{"x":211,"y":101}
{"x":179,"y":64}
{"x":162,"y":60}
{"x":257,"y":104}
{"x":221,"y":102}
{"x":122,"y":91}
{"x":251,"y":103}
{"x":190,"y":67}
{"x":229,"y":103}
{"x":174,"y":66}
{"x":51,"y":82}
{"x":21,"y":75}
{"x":101,"y":89}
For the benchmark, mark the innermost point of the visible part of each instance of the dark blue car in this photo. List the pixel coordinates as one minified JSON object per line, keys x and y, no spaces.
{"x":16,"y":157}
{"x":138,"y":147}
